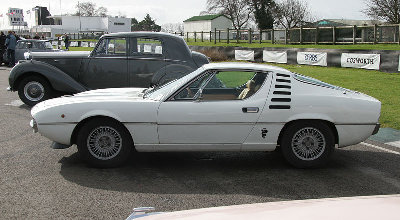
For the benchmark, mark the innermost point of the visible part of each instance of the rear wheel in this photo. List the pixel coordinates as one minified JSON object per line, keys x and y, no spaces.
{"x":34,"y":89}
{"x":308,"y":144}
{"x":104,"y":143}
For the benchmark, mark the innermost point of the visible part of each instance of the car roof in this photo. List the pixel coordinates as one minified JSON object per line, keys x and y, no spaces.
{"x":142,"y":34}
{"x":244,"y":66}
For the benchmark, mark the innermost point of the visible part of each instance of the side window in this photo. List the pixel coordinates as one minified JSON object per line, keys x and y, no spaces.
{"x":146,"y":46}
{"x":111,"y":47}
{"x":229,"y":85}
{"x":190,"y":91}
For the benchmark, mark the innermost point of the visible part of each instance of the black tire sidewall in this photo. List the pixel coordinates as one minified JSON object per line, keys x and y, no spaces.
{"x":47,"y":89}
{"x":286,"y":144}
{"x":119,"y":159}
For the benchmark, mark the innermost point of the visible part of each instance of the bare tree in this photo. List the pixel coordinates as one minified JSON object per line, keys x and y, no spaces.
{"x":89,"y":9}
{"x":238,"y":11}
{"x":102,"y":11}
{"x":292,"y":13}
{"x":388,"y":10}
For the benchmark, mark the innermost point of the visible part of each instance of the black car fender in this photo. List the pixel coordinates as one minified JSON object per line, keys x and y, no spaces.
{"x":58,"y":79}
{"x":171,"y":72}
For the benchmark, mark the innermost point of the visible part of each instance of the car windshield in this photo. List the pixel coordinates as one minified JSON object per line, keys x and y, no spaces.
{"x":158,"y":93}
{"x":48,"y":45}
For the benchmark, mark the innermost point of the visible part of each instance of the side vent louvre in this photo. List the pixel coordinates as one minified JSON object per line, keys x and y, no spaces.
{"x":279,"y":107}
{"x":283,"y":80}
{"x":282,"y":93}
{"x":281,"y":100}
{"x":282,"y":75}
{"x":282,"y":87}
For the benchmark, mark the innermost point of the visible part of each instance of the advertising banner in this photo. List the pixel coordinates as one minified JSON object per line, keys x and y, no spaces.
{"x":275,"y":56}
{"x":312,"y":58}
{"x":244,"y":55}
{"x":363,"y":61}
{"x":92,"y":44}
{"x":84,"y":44}
{"x":73,"y":44}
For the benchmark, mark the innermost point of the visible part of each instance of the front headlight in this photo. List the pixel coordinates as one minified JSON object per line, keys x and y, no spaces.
{"x":27,"y":56}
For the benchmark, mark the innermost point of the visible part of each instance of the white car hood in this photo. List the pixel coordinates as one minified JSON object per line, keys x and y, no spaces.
{"x":93,"y":96}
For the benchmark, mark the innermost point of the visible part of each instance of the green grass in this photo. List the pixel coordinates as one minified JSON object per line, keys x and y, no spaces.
{"x":383,"y":86}
{"x":79,"y":48}
{"x":256,"y":44}
{"x":234,"y":79}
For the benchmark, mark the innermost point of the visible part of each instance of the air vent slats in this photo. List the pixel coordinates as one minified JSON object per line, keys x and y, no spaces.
{"x":282,"y":87}
{"x":279,"y":107}
{"x":283,"y":80}
{"x":281,"y":100}
{"x":282,"y":75}
{"x":282,"y":93}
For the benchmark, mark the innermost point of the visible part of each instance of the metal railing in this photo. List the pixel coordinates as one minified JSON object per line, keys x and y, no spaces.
{"x":377,"y":34}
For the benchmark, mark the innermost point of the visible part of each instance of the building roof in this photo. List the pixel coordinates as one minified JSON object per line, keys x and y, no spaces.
{"x":346,"y":22}
{"x":203,"y":18}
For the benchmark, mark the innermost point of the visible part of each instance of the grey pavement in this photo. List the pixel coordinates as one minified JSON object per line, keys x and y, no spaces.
{"x":37,"y":182}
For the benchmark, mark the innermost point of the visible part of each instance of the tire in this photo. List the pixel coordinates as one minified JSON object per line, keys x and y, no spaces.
{"x":308,"y":144}
{"x":34,"y":89}
{"x":104,"y":143}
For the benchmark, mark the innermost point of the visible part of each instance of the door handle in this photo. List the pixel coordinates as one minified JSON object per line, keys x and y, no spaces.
{"x":250,"y":110}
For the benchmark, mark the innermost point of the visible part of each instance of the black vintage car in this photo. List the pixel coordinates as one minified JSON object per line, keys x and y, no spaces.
{"x":137,"y":59}
{"x":29,"y":45}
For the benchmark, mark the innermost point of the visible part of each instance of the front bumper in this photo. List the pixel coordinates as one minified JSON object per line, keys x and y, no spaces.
{"x":33,"y":125}
{"x":377,"y":126}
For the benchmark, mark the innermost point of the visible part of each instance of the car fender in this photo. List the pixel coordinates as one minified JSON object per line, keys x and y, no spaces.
{"x":172,"y":71}
{"x":99,"y":113}
{"x":58,"y":79}
{"x":310,"y":116}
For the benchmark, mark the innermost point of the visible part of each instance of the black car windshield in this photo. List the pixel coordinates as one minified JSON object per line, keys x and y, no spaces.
{"x":158,"y":93}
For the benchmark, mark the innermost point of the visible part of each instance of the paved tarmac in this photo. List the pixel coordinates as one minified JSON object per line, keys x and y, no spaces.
{"x":37,"y":182}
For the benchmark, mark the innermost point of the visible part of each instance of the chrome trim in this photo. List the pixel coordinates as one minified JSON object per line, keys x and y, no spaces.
{"x":58,"y":123}
{"x":355,"y":123}
{"x":34,"y":125}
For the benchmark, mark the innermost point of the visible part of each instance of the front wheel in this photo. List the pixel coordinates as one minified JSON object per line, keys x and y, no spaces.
{"x":104,"y":143}
{"x":308,"y":144}
{"x":34,"y":89}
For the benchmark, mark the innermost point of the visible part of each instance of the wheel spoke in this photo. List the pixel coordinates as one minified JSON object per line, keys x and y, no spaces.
{"x":104,"y":143}
{"x":308,"y":143}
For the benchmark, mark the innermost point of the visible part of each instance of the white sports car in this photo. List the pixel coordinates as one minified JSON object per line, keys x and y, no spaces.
{"x":218,"y":107}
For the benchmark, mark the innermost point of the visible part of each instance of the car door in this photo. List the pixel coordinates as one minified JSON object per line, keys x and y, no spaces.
{"x":108,"y":65}
{"x":208,"y":113}
{"x":146,"y":58}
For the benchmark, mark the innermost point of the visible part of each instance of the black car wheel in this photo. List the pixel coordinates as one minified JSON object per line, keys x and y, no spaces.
{"x":307,"y":144}
{"x":104,"y":143}
{"x":34,"y":89}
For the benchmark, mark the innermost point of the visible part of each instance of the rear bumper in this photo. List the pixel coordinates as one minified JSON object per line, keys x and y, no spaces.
{"x":377,"y":126}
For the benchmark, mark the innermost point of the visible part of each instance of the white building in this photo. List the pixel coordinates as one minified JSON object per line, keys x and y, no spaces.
{"x":13,"y":20}
{"x":80,"y":24}
{"x":206,"y":24}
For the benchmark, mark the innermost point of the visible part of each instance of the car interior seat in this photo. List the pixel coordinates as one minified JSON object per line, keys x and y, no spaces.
{"x":248,"y":91}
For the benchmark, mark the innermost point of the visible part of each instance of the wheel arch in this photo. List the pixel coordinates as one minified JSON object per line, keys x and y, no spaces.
{"x":58,"y":79}
{"x":28,"y":74}
{"x":77,"y":128}
{"x":330,"y":124}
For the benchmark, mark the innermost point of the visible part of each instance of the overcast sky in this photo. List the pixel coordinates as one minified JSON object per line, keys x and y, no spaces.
{"x":175,"y":11}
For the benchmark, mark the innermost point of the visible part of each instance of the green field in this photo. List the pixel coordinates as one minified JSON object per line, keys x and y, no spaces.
{"x":320,"y":46}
